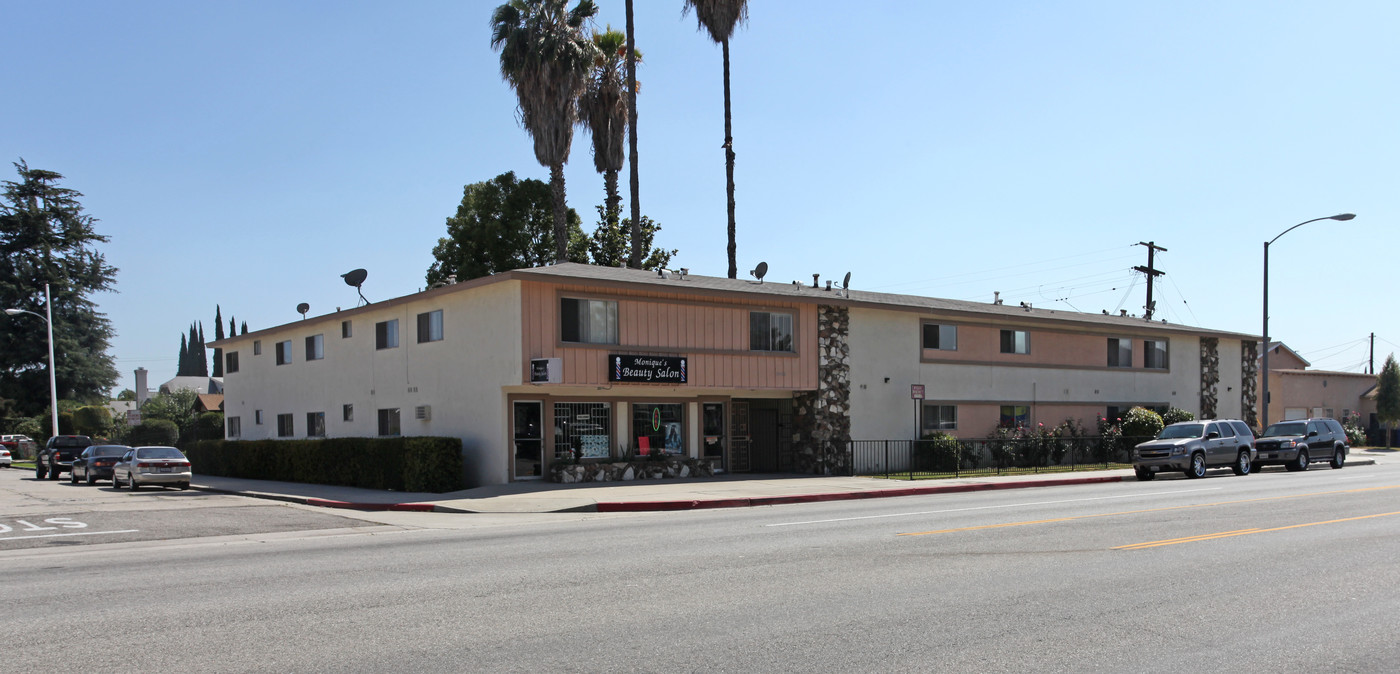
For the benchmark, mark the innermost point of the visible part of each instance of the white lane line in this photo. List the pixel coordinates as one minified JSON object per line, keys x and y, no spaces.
{"x":991,"y":507}
{"x":80,"y":533}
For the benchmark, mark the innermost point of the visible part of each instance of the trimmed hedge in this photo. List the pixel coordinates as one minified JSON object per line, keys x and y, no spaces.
{"x":421,"y":464}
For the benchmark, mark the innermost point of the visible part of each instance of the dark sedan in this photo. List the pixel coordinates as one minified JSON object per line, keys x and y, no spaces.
{"x":95,"y":463}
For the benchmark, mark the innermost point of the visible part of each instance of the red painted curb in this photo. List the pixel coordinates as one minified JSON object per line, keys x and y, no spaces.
{"x":371,"y":507}
{"x":644,"y":506}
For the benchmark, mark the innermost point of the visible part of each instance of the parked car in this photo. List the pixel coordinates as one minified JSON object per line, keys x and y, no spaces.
{"x":5,"y":459}
{"x":58,"y":454}
{"x":1295,"y":444}
{"x":95,"y":463}
{"x":1191,"y":447}
{"x":144,"y":466}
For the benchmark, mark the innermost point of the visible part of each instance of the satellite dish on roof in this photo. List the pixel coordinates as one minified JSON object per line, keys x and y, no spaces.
{"x":302,"y":309}
{"x":356,"y":278}
{"x":760,"y":271}
{"x":846,"y":284}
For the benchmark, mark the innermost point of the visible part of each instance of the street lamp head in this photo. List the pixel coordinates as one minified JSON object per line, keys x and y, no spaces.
{"x":1343,"y":216}
{"x":13,"y":312}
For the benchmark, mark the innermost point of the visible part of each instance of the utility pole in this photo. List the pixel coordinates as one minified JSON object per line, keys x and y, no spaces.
{"x":1151,"y":273}
{"x":1372,"y":361}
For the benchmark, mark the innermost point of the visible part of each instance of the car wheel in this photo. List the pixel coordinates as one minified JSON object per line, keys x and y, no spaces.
{"x":72,"y":477}
{"x":53,"y":471}
{"x":1197,"y":469}
{"x":1144,"y":475}
{"x":1300,"y":462}
{"x":184,"y":486}
{"x":1339,"y":458}
{"x":39,"y":471}
{"x":131,"y":481}
{"x":1242,"y":465}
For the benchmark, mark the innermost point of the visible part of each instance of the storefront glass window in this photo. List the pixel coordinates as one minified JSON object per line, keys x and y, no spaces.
{"x":582,"y":430}
{"x":657,"y":428}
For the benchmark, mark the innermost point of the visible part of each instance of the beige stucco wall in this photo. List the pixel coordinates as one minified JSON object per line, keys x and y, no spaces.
{"x":886,"y":344}
{"x":460,"y":377}
{"x":1319,"y":391}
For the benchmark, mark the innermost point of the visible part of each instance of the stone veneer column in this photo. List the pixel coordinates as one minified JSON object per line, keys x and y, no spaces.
{"x":823,"y":417}
{"x":1210,"y":375}
{"x":1249,"y":382}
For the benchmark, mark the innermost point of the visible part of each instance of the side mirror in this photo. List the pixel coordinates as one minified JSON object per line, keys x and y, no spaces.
{"x":1212,"y":435}
{"x":1312,"y":434}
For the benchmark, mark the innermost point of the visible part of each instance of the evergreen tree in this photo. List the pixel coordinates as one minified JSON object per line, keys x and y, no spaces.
{"x":244,"y":329}
{"x":45,"y":237}
{"x":218,"y":335}
{"x":1388,"y":396}
{"x":183,"y":364}
{"x":201,"y":355}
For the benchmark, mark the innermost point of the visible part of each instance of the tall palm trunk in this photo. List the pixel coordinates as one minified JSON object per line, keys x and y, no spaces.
{"x":729,"y":163}
{"x":561,"y":209}
{"x":634,"y":260}
{"x":614,"y":199}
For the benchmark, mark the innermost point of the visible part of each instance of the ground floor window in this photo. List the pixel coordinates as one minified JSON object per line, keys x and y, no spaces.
{"x":582,"y":430}
{"x":657,"y":428}
{"x":940,"y":417}
{"x":315,"y":424}
{"x":284,"y":426}
{"x":235,"y":426}
{"x":1015,"y":416}
{"x":389,"y":421}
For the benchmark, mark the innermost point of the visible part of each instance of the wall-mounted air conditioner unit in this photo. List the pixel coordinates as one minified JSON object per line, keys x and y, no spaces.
{"x":423,"y":412}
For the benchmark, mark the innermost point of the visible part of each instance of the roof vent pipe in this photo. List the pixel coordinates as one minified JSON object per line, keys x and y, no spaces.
{"x":814,"y":281}
{"x":996,"y":297}
{"x":1122,"y":312}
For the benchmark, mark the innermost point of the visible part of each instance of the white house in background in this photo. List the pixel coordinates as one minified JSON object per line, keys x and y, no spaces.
{"x":200,"y":385}
{"x":534,"y":365}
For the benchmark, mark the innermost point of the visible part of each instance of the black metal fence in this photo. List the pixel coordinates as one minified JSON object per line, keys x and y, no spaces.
{"x":949,"y":457}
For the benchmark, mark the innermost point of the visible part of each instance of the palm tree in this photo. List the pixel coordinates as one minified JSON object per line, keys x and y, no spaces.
{"x":546,"y":58}
{"x":720,"y":17}
{"x":635,"y":260}
{"x":603,"y":109}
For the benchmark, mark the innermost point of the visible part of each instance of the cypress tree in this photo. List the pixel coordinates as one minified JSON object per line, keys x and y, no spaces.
{"x":184,"y":360}
{"x":218,"y":334}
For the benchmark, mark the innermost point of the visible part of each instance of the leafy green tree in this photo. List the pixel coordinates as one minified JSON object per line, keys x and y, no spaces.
{"x":126,"y":394}
{"x":160,"y":432}
{"x":176,"y":407}
{"x":719,"y":18}
{"x":1177,"y":415}
{"x":603,"y":108}
{"x":1388,"y":396}
{"x":610,"y":245}
{"x":1140,"y":422}
{"x":45,"y":237}
{"x":546,"y":58}
{"x":502,"y":224}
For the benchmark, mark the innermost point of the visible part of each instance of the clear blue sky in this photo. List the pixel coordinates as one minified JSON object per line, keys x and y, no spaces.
{"x":246,"y":154}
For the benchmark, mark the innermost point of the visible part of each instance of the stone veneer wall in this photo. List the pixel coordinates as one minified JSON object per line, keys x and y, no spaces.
{"x":625,"y":471}
{"x":1249,"y":382}
{"x":823,"y":417}
{"x":1210,"y":375}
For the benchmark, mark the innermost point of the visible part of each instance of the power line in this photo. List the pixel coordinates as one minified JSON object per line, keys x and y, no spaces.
{"x":986,"y":271}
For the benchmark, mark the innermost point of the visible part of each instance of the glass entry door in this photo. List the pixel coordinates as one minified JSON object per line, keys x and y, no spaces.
{"x":529,"y":440}
{"x":712,"y":434}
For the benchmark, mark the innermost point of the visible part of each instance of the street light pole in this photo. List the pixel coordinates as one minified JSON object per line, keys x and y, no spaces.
{"x":53,"y":380}
{"x":1264,"y":395}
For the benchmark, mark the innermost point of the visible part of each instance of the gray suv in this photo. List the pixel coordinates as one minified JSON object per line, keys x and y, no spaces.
{"x":1295,"y":444}
{"x":1193,"y":446}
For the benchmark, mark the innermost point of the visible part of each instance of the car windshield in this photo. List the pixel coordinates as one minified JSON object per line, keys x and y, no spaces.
{"x":1181,"y":431}
{"x":110,"y":450}
{"x":1294,"y":428}
{"x":159,"y":453}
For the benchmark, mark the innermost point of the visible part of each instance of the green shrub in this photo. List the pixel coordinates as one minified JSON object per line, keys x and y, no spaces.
{"x":154,"y":432}
{"x":1177,"y":415}
{"x":426,"y":464}
{"x":1141,"y":422}
{"x":92,"y":420}
{"x":939,"y":452}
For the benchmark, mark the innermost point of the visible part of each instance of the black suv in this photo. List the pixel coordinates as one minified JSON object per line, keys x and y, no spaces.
{"x":1295,"y":444}
{"x":58,"y":454}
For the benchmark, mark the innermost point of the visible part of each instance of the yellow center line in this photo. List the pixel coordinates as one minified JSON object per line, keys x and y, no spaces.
{"x":1243,"y":532}
{"x":1147,"y":510}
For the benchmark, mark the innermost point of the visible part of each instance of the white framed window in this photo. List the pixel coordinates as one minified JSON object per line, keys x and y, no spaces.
{"x":386,"y":334}
{"x":941,"y":337}
{"x":1120,"y":352}
{"x":257,"y":417}
{"x":284,"y":352}
{"x":347,"y":412}
{"x":346,"y":330}
{"x":316,"y":347}
{"x":1154,"y":354}
{"x":770,"y":331}
{"x":587,"y":321}
{"x":234,"y":426}
{"x":1015,"y":341}
{"x":257,"y":347}
{"x":940,"y":417}
{"x":389,"y":421}
{"x":430,"y":326}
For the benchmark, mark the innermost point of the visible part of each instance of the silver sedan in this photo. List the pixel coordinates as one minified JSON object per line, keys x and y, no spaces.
{"x":142,"y":466}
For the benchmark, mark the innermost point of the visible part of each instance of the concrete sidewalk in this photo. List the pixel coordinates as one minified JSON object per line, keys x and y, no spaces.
{"x":651,"y":495}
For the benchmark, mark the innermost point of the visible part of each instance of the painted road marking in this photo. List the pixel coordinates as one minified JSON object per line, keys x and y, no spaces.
{"x":76,"y":533}
{"x":991,"y":507}
{"x":1146,"y":510}
{"x":1242,"y":532}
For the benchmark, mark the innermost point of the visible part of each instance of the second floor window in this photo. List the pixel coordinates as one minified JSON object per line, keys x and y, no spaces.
{"x":1154,"y":353}
{"x":587,"y":321}
{"x":386,"y":334}
{"x":284,"y":352}
{"x":430,"y":326}
{"x":941,"y":337}
{"x":1015,"y":341}
{"x":315,"y":347}
{"x":1120,"y":352}
{"x":769,"y":331}
{"x":346,"y":330}
{"x":230,"y":362}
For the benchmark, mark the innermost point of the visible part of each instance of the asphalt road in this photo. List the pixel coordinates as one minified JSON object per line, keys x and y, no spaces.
{"x":1272,"y":572}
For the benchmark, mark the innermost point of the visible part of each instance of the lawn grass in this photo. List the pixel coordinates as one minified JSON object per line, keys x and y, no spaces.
{"x":993,"y":472}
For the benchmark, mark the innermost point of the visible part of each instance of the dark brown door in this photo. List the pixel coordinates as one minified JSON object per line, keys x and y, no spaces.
{"x":764,"y":429}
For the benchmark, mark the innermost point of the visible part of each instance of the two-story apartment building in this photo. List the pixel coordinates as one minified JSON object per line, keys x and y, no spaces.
{"x":589,"y":363}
